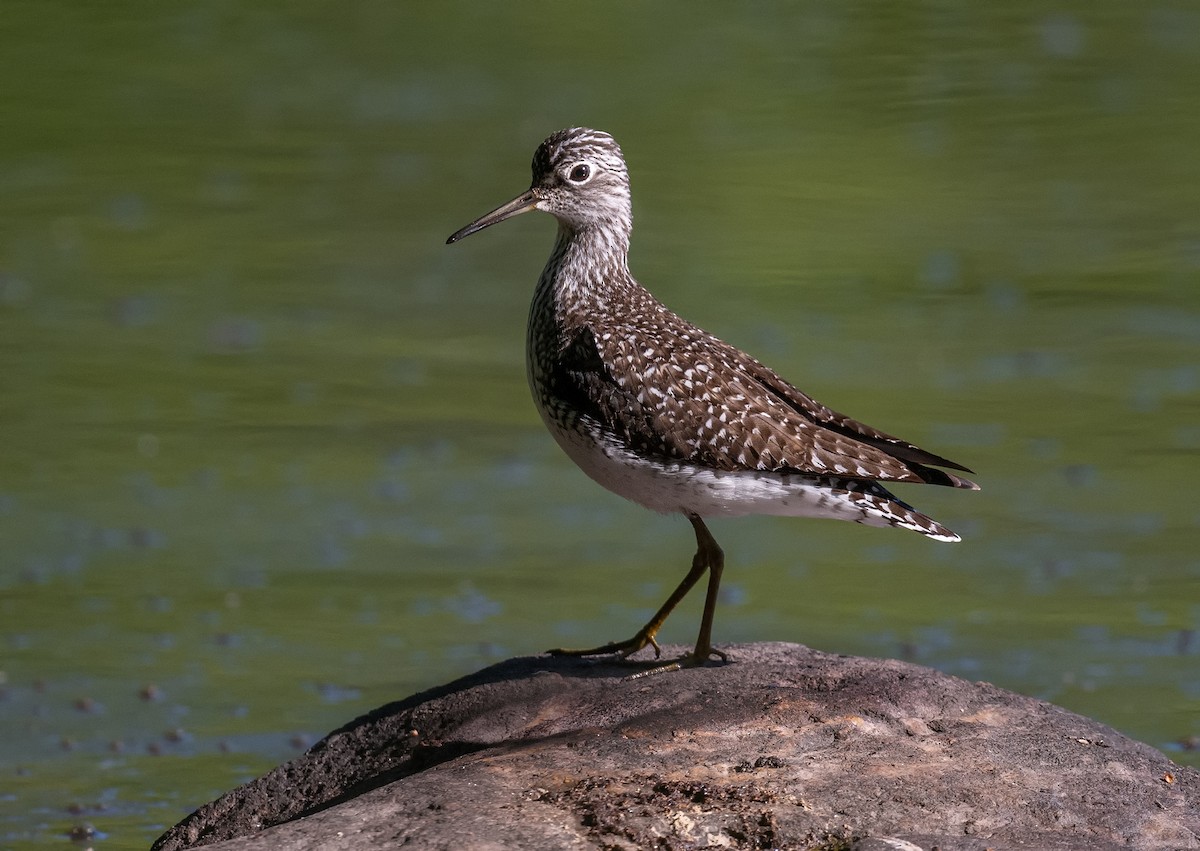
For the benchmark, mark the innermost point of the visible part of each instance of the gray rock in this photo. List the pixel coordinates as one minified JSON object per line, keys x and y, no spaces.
{"x":784,"y":747}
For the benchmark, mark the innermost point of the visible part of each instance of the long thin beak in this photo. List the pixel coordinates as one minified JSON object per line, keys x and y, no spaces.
{"x":523,"y":203}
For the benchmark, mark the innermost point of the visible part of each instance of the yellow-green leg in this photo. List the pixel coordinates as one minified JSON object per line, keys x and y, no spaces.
{"x":709,"y":557}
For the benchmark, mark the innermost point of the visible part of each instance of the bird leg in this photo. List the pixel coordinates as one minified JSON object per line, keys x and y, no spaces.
{"x":707,"y":545}
{"x":708,"y":557}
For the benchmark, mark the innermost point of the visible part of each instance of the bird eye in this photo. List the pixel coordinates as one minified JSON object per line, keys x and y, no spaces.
{"x":580,"y":173}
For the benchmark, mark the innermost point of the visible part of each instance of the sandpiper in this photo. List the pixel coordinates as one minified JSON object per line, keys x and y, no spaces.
{"x":669,"y":416}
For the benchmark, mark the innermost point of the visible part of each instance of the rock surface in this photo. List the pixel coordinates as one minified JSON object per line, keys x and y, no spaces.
{"x":784,"y":747}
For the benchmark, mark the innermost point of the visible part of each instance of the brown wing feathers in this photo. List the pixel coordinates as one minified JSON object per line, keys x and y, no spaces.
{"x":919,"y":462}
{"x":724,"y":421}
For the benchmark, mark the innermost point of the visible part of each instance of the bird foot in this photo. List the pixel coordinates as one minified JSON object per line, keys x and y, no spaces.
{"x":695,"y":659}
{"x":624,"y":649}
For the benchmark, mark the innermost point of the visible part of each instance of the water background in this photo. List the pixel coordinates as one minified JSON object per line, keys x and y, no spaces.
{"x":268,"y":457}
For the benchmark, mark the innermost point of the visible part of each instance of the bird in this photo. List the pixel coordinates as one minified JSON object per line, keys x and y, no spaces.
{"x":671,"y":417}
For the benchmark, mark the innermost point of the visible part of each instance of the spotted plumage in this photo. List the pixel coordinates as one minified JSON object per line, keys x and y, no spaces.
{"x":669,"y":416}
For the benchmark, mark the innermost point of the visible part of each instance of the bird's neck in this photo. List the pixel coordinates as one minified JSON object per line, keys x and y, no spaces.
{"x":587,"y":269}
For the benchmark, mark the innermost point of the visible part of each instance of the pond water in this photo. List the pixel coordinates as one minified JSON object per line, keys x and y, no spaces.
{"x":269,"y":457}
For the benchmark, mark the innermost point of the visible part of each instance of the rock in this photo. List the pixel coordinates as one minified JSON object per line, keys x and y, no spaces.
{"x":784,"y":747}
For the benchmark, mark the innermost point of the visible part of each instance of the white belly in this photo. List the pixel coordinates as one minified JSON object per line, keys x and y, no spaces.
{"x":690,"y":489}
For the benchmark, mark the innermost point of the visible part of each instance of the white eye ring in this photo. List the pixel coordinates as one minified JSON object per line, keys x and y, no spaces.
{"x":580,"y":173}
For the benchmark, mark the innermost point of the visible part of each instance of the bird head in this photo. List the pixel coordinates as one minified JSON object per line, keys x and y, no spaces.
{"x":579,"y":177}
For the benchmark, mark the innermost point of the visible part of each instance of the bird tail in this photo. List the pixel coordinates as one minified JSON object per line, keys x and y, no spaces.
{"x":880,"y":507}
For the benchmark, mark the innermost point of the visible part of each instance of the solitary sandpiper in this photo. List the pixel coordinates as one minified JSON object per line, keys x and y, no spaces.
{"x":669,"y":416}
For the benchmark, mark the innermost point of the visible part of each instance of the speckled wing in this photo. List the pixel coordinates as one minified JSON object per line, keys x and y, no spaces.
{"x":914,"y":457}
{"x":679,"y":394}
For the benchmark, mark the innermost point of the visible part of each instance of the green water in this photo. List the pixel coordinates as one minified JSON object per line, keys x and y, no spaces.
{"x":268,"y":455}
